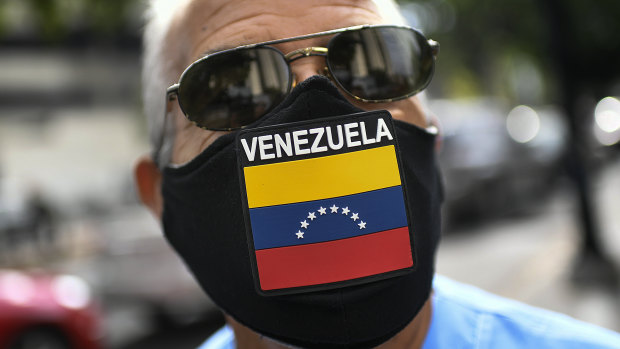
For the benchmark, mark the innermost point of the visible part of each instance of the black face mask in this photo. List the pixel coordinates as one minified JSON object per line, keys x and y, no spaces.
{"x":204,"y":221}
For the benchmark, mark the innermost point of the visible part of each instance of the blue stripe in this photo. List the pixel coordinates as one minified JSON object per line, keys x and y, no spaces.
{"x":277,"y":226}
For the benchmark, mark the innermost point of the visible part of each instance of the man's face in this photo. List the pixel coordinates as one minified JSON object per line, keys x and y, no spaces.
{"x":212,"y":25}
{"x":203,"y":215}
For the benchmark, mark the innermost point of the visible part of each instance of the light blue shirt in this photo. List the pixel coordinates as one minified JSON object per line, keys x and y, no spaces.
{"x":467,"y":317}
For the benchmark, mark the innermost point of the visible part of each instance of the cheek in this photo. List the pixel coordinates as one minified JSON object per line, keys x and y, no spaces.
{"x":408,"y":110}
{"x":190,"y":140}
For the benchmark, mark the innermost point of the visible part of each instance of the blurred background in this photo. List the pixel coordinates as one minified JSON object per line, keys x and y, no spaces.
{"x":526,"y":93}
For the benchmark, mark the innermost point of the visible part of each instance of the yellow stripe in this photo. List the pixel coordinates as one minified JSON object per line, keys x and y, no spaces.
{"x":321,"y":178}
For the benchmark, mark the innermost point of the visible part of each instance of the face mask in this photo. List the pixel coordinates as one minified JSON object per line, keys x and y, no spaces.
{"x":206,"y":220}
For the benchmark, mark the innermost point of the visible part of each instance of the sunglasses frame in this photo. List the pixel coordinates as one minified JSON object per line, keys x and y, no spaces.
{"x":173,"y":91}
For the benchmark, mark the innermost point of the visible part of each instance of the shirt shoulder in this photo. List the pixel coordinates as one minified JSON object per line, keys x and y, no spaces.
{"x":467,"y":317}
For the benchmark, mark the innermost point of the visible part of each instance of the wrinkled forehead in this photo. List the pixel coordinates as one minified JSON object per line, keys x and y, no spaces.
{"x":211,"y":25}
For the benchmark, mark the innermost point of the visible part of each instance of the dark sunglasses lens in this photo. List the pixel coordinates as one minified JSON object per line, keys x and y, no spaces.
{"x":232,"y":89}
{"x":381,"y":63}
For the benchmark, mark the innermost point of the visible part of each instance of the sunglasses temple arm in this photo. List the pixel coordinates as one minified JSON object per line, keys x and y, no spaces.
{"x":171,"y":95}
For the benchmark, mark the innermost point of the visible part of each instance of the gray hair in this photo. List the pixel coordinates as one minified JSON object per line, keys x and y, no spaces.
{"x":158,"y":73}
{"x":159,"y":68}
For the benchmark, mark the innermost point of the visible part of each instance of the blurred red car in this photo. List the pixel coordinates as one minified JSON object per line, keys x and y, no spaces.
{"x":39,"y":310}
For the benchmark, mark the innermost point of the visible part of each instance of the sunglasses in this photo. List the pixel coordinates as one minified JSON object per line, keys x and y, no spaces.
{"x":231,"y":89}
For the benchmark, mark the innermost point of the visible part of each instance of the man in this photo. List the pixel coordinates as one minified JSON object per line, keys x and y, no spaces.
{"x":249,"y":137}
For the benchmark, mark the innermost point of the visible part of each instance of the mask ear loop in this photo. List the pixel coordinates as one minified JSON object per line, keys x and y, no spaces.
{"x":435,"y":128}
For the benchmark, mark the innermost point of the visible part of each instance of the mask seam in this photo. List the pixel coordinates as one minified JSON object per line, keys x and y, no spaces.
{"x":345,"y":318}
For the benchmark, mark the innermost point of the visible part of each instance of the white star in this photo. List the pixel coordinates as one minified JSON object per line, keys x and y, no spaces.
{"x":304,"y":224}
{"x":322,"y":210}
{"x":334,"y":209}
{"x":354,"y":217}
{"x":345,"y":210}
{"x":362,"y":224}
{"x":311,"y":216}
{"x":300,"y":234}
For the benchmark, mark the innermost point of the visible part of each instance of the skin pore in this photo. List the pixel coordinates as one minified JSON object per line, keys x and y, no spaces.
{"x":208,"y":25}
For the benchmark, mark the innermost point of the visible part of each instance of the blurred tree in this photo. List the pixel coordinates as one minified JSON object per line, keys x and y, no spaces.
{"x":108,"y":15}
{"x":2,"y":18}
{"x":65,"y":22}
{"x":486,"y":32}
{"x":483,"y":34}
{"x":583,"y":37}
{"x":575,"y":46}
{"x":49,"y":19}
{"x":585,"y":49}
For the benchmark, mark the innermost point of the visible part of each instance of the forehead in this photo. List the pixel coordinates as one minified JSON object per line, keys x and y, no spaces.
{"x":209,"y":25}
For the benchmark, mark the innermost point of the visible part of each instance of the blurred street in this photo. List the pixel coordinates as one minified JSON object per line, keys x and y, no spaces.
{"x":532,"y":258}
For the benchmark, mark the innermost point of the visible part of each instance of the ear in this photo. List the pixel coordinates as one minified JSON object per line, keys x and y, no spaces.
{"x":148,"y":182}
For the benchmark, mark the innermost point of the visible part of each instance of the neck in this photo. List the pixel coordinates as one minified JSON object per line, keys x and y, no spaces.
{"x":412,"y":336}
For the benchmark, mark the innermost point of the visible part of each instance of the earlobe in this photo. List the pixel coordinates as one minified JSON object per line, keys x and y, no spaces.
{"x":148,"y":183}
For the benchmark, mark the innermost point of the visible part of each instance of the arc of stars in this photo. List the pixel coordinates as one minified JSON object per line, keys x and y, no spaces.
{"x":323,"y":211}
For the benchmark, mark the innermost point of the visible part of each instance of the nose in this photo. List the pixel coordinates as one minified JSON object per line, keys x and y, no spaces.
{"x":306,"y":67}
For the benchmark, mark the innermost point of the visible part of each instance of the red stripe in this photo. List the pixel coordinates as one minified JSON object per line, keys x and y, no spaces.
{"x":334,"y":261}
